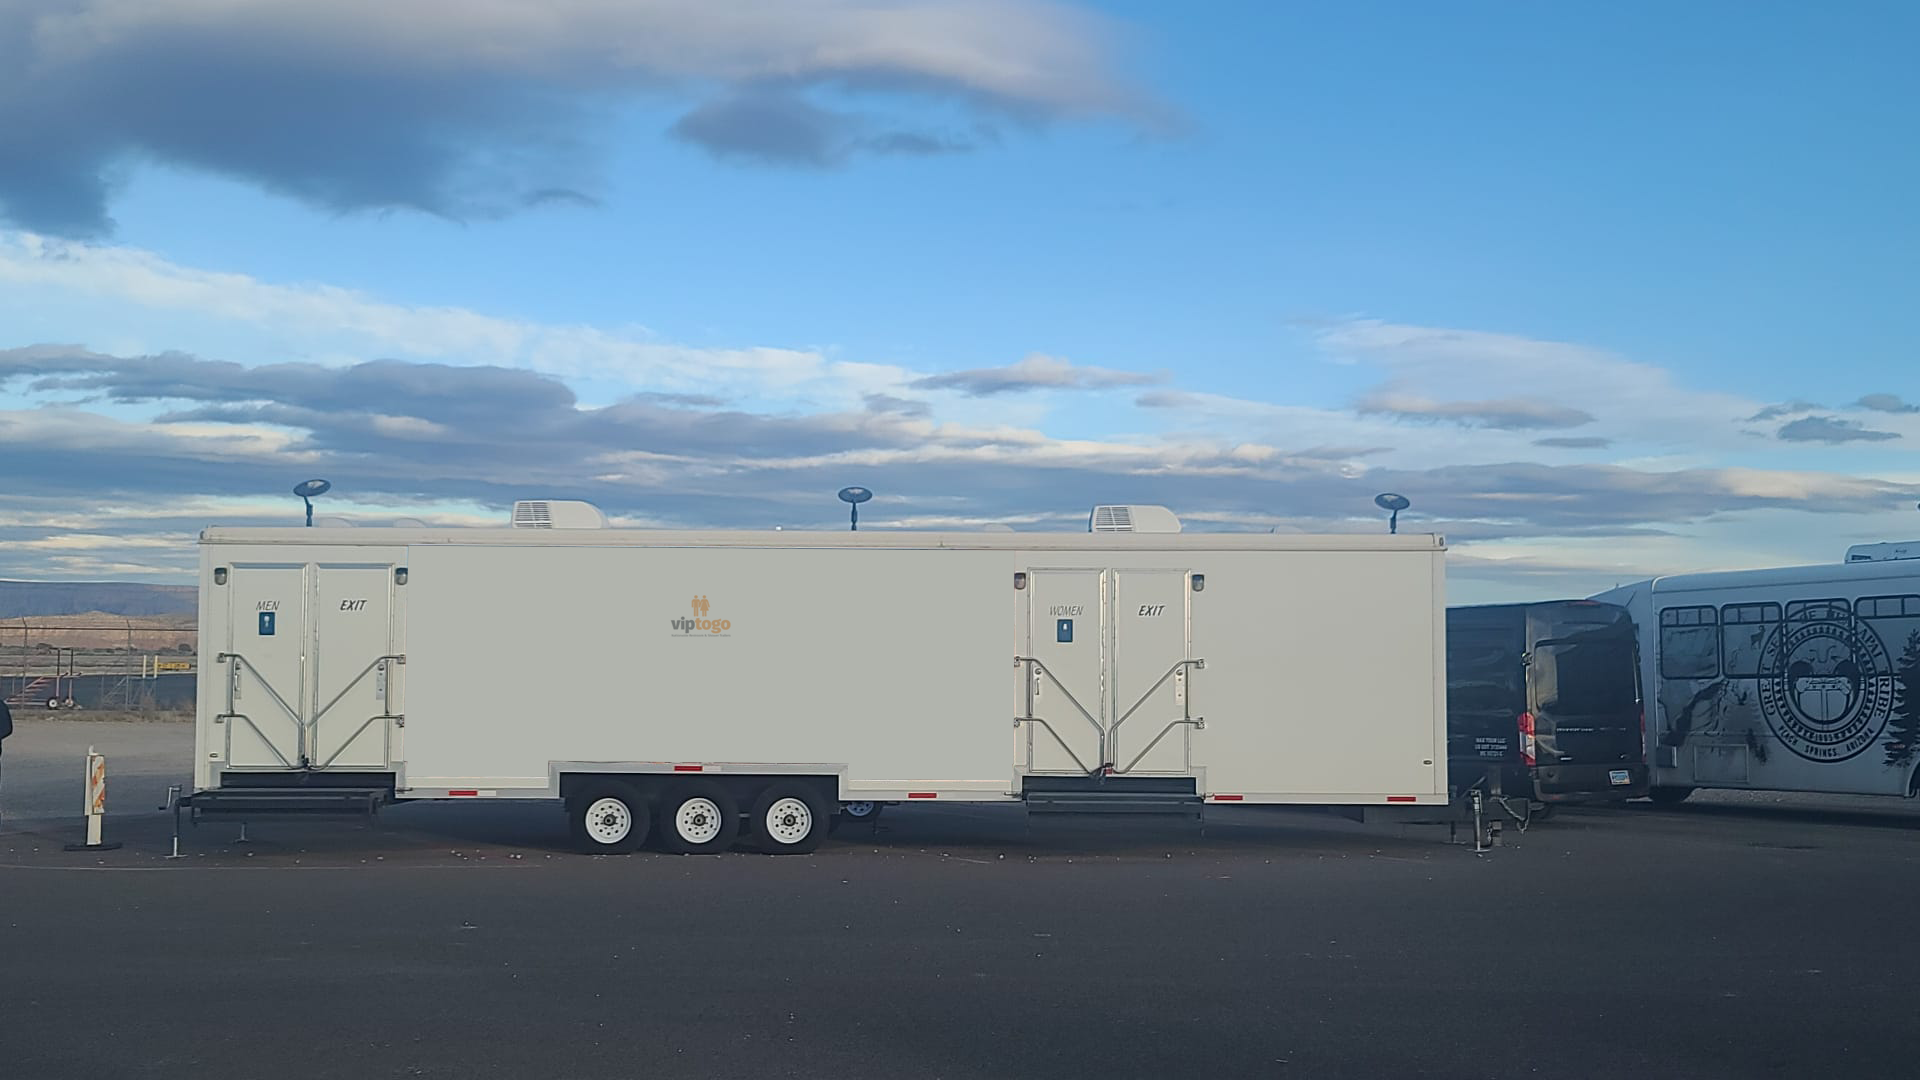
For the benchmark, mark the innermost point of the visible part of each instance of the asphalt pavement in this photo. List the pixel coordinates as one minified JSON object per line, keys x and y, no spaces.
{"x":1748,"y":936}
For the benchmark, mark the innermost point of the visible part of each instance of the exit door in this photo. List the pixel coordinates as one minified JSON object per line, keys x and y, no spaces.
{"x":353,"y":666}
{"x":1152,"y":638}
{"x":311,"y":667}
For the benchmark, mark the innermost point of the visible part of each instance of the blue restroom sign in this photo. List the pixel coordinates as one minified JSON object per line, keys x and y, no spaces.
{"x":266,"y":624}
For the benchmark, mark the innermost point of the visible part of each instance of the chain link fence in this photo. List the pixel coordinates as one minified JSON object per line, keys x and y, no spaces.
{"x":99,"y":665}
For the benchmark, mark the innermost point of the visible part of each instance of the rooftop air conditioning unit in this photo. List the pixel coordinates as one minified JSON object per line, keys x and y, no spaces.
{"x":1135,"y":519}
{"x":557,"y":514}
{"x":1905,"y":549}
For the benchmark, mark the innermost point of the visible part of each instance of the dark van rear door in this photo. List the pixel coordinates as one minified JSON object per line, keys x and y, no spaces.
{"x":1485,"y":689}
{"x":1585,"y":682}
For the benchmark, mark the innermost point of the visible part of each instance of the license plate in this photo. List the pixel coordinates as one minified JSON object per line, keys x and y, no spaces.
{"x":1620,"y":778}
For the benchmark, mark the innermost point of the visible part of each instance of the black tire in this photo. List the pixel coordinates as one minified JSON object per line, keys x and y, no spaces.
{"x":53,"y":703}
{"x":1669,"y":796}
{"x":698,"y":818}
{"x":790,"y":818}
{"x":607,"y":817}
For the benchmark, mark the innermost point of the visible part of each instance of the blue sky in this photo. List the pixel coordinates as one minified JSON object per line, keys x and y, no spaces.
{"x":996,"y":260}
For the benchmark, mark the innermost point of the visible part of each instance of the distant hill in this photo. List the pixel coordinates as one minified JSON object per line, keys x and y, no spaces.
{"x":18,"y":598}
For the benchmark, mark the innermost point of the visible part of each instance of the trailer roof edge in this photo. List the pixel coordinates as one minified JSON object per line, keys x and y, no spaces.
{"x":875,"y":539}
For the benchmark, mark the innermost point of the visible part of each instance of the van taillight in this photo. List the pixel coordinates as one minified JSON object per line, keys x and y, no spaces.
{"x":1527,"y":744}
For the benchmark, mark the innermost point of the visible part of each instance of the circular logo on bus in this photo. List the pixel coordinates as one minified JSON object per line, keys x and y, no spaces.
{"x":1826,"y":687}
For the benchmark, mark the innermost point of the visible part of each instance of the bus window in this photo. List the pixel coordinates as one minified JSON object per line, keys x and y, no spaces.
{"x":1888,"y":607}
{"x":1816,"y":610}
{"x":1743,"y":636}
{"x":1689,"y":643}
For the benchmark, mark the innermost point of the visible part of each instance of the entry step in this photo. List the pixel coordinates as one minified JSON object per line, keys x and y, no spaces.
{"x":1113,"y":802}
{"x":263,"y":801}
{"x":1176,"y":795}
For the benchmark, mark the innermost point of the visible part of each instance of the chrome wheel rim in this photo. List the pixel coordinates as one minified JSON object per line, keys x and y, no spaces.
{"x":697,"y":821}
{"x":788,"y":820}
{"x":609,"y":821}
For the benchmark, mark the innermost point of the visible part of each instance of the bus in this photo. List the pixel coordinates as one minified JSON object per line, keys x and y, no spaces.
{"x":1543,"y":700}
{"x":1792,"y":679}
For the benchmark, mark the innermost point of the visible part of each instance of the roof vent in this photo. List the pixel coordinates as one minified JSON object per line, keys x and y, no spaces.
{"x":1136,"y":519}
{"x":332,"y":523}
{"x":557,"y":514}
{"x":1906,"y":549}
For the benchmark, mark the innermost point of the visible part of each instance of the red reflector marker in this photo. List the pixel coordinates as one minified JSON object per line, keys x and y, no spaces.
{"x":455,"y":793}
{"x":1399,"y":798}
{"x":1228,"y":798}
{"x":688,"y":768}
{"x":923,"y":794}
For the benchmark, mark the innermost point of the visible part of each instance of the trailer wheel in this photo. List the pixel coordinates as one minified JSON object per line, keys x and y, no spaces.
{"x":789,"y":819}
{"x":698,"y":819}
{"x":608,"y":817}
{"x":859,"y":812}
{"x":1669,"y":796}
{"x":53,"y":703}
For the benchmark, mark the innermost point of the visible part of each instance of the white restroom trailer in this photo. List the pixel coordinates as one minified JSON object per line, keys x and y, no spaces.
{"x":697,"y":688}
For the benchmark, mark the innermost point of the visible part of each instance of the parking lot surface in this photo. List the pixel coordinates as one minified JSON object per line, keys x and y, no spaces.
{"x":1745,"y":936}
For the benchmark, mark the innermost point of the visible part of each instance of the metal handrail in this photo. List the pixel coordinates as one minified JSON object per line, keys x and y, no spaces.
{"x":1171,"y":724}
{"x":1107,"y":733}
{"x":304,"y":729}
{"x":1100,"y":732}
{"x":356,"y":734}
{"x":399,"y":658}
{"x":299,"y":725}
{"x":1186,"y":712}
{"x":272,"y":749}
{"x":1197,"y":664}
{"x":1018,"y":720}
{"x":1041,"y":664}
{"x":313,"y":726}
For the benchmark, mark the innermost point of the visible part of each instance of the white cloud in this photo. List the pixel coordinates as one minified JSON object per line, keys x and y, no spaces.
{"x":1466,"y":369}
{"x":1044,"y":54}
{"x":751,"y":436}
{"x":1506,"y":414}
{"x":347,"y":323}
{"x":1035,"y":372}
{"x":480,"y":107}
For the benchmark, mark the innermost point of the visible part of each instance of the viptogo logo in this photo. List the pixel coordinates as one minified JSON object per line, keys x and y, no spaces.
{"x":700,"y":623}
